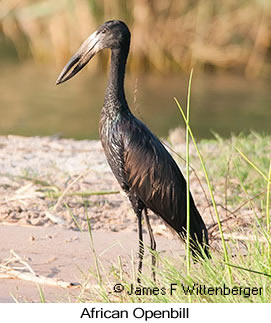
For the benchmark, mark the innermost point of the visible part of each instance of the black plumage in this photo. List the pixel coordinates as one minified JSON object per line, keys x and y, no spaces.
{"x":141,"y":164}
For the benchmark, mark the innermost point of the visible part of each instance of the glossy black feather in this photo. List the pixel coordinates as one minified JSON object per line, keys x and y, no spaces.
{"x":145,"y":168}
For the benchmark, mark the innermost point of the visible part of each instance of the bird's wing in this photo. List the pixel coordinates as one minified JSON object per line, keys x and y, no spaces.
{"x":153,"y":174}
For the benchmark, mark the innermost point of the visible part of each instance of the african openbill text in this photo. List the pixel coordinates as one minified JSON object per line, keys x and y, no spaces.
{"x":141,"y":164}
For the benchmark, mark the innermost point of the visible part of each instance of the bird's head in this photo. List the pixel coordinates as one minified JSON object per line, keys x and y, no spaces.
{"x":113,"y":34}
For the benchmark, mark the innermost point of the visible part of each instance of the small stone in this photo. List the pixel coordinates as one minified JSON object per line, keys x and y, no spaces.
{"x":13,"y":215}
{"x":72,"y":239}
{"x":52,"y":259}
{"x":5,"y":210}
{"x":24,"y":221}
{"x":18,"y":209}
{"x":36,"y":221}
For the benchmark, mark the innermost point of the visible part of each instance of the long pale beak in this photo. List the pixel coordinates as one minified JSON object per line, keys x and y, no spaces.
{"x":88,"y":49}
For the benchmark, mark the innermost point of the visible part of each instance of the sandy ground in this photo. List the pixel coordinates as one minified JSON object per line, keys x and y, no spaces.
{"x":48,"y":187}
{"x":66,"y":255}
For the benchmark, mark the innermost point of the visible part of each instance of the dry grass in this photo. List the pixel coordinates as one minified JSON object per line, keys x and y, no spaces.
{"x":167,"y":35}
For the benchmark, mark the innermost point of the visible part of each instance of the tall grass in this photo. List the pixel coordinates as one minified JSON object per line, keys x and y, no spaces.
{"x":268,"y":200}
{"x":166,"y":35}
{"x":249,"y":270}
{"x":188,"y":264}
{"x":189,"y":131}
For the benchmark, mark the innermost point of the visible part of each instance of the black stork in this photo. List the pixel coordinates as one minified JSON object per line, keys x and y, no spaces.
{"x":143,"y":167}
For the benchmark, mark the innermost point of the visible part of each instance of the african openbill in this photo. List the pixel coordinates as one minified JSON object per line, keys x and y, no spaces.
{"x":141,"y":164}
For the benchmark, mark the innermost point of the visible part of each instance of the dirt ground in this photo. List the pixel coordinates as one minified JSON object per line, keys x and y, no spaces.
{"x":48,"y":188}
{"x":65,"y":255}
{"x":35,"y":172}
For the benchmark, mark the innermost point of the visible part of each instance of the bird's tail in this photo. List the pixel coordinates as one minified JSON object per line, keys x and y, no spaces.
{"x":199,"y":243}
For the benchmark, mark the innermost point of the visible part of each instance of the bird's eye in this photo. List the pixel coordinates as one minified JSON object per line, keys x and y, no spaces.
{"x":103,"y":31}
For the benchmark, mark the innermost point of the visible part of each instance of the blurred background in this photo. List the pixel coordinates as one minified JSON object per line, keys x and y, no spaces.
{"x":227,"y":42}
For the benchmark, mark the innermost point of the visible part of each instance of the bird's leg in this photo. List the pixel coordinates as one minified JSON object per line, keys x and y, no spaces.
{"x":153,"y":244}
{"x":138,"y":207}
{"x":141,"y":246}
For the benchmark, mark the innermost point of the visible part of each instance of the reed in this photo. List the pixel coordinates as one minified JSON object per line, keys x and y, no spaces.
{"x":167,"y":35}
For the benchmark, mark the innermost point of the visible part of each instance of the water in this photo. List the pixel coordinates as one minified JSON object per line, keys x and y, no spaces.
{"x":31,"y":104}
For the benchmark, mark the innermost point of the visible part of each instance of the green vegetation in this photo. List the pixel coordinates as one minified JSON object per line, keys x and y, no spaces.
{"x":241,"y":180}
{"x":187,"y":155}
{"x":176,"y":35}
{"x":248,"y":242}
{"x":210,"y":274}
{"x":190,"y":133}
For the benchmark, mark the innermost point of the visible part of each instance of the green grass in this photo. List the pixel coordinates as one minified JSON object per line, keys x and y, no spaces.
{"x":241,"y":181}
{"x":250,"y":270}
{"x":187,"y":136}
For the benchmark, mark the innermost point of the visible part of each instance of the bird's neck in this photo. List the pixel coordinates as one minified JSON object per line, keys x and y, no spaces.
{"x":115,"y":100}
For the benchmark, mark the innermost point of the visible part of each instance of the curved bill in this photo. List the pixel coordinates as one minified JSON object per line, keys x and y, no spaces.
{"x":88,"y":49}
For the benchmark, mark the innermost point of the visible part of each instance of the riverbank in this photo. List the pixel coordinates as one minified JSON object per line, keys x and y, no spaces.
{"x":49,"y":181}
{"x":49,"y":186}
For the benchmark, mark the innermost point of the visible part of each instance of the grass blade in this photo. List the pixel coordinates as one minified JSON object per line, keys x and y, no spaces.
{"x":94,"y":252}
{"x":188,"y":259}
{"x":73,"y":217}
{"x":251,"y":163}
{"x":41,"y":293}
{"x":226,"y":256}
{"x":249,"y":270}
{"x":82,"y":193}
{"x":268,"y":207}
{"x":268,"y":199}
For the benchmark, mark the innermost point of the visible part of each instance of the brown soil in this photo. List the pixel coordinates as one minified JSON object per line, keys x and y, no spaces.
{"x":33,"y":169}
{"x":41,"y":224}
